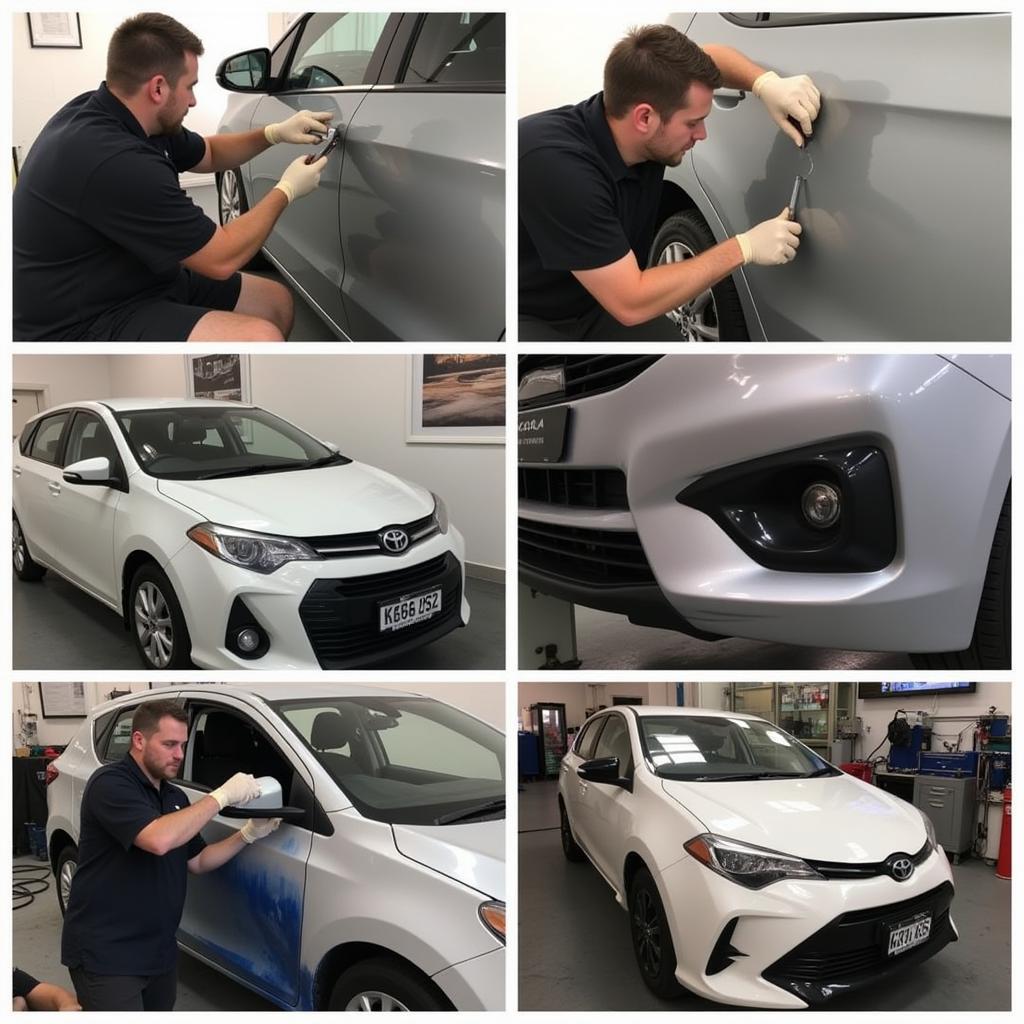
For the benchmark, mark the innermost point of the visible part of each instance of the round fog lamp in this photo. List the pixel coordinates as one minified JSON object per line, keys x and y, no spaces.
{"x":248,"y":640}
{"x":821,"y":505}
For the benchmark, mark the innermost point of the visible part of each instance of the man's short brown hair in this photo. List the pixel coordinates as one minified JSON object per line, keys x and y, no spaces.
{"x":147,"y":716}
{"x":655,"y":64}
{"x":148,"y":45}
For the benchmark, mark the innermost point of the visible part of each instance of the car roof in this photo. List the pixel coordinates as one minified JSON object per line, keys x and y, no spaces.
{"x":137,"y":404}
{"x":645,"y":710}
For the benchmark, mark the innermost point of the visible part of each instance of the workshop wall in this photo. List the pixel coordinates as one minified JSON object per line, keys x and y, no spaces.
{"x":67,"y":378}
{"x":577,"y":697}
{"x":59,"y":731}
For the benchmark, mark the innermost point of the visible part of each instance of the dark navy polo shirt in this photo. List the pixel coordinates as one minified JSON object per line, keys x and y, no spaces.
{"x":100,"y":221}
{"x":125,"y":904}
{"x":580,"y":207}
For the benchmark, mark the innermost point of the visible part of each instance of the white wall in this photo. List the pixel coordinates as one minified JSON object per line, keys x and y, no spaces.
{"x":44,"y":80}
{"x":68,"y":378}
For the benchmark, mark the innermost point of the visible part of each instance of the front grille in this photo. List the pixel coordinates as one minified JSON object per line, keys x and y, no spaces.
{"x":584,"y":375}
{"x":611,"y":558}
{"x":850,"y":949}
{"x":574,"y":488}
{"x":838,"y":870}
{"x":341,"y":617}
{"x":348,"y":545}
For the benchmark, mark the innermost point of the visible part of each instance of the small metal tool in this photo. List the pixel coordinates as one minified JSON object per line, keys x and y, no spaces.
{"x":798,"y":181}
{"x":332,"y":138}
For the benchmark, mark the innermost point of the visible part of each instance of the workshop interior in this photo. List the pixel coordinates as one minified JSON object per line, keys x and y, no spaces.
{"x":386,"y":789}
{"x":841,"y":845}
{"x":256,"y":512}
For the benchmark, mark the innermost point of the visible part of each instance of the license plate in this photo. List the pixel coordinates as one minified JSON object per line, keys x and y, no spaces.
{"x":907,"y":934}
{"x":407,"y":611}
{"x":542,"y":434}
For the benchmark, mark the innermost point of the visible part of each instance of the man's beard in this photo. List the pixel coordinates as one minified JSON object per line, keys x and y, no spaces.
{"x":159,"y":771}
{"x":169,"y":126}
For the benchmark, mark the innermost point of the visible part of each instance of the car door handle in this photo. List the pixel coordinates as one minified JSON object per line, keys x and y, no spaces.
{"x":53,"y":487}
{"x":17,"y":470}
{"x":728,"y":99}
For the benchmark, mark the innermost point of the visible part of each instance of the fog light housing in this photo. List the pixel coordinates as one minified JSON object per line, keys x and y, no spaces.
{"x":244,"y":636}
{"x":821,"y":504}
{"x":248,"y":640}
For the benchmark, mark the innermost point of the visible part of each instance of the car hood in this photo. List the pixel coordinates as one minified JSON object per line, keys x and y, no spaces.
{"x":351,"y":498}
{"x":834,"y":818}
{"x":470,"y":852}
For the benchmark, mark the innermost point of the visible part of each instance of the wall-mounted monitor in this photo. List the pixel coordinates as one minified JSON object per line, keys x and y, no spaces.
{"x":869,"y":691}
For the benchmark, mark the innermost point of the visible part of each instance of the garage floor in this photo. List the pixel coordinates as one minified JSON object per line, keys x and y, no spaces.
{"x":57,"y":626}
{"x":606,"y":641}
{"x":36,"y":949}
{"x":564,"y":907}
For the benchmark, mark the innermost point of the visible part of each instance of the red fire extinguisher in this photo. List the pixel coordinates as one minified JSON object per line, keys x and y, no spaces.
{"x":1003,"y":864}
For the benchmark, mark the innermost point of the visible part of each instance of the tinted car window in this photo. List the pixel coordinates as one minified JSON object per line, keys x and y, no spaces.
{"x":335,"y":50}
{"x":119,"y":739}
{"x":458,"y":48}
{"x":587,"y":738}
{"x":46,"y":441}
{"x":614,"y":742}
{"x":89,"y":439}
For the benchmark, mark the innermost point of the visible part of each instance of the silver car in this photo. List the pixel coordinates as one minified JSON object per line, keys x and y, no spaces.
{"x":906,"y":212}
{"x":405,"y":237}
{"x":384,"y":886}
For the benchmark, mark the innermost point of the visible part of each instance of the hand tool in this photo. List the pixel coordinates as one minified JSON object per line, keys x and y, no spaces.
{"x":333,"y":137}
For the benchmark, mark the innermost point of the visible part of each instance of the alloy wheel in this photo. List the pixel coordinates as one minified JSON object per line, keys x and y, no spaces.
{"x":696,"y":320}
{"x":153,"y":624}
{"x":18,"y":546}
{"x":647,"y":933}
{"x":230,"y":197}
{"x":67,"y":874}
{"x":375,"y":1002}
{"x":566,"y":832}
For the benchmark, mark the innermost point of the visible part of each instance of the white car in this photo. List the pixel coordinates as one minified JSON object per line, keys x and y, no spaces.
{"x":754,"y":872}
{"x":229,"y":538}
{"x":849,"y":501}
{"x":383,"y":888}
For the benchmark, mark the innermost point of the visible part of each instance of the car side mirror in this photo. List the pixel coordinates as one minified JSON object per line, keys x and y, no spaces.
{"x":269,"y":804}
{"x":245,"y":72}
{"x":91,"y":473}
{"x":603,"y":769}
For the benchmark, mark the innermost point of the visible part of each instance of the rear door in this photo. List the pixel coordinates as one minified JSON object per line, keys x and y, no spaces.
{"x":906,"y":213}
{"x":574,"y":789}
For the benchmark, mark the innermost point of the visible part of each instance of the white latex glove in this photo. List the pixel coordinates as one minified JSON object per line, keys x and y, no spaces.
{"x":300,"y":178}
{"x":239,"y":789}
{"x":795,"y":97}
{"x":299,"y":127}
{"x":772,"y":241}
{"x":259,"y":828}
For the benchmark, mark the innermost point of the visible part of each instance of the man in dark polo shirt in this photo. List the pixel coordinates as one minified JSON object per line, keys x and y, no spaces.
{"x":139,"y":838}
{"x":590,"y":179}
{"x":107,"y":245}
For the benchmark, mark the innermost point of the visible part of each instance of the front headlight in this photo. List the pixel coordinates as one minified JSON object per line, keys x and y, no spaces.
{"x":933,"y":843}
{"x":259,"y":552}
{"x":440,"y":513}
{"x":750,"y":866}
{"x":492,"y":913}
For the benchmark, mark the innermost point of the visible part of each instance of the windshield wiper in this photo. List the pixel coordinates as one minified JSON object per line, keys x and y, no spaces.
{"x":327,"y":460}
{"x":827,"y":770}
{"x":266,"y":467}
{"x":471,"y":812}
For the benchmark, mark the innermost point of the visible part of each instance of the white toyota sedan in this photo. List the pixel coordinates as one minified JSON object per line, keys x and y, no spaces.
{"x":228,"y":538}
{"x":754,"y":872}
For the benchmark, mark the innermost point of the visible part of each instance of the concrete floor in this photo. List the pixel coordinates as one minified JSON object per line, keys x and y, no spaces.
{"x":606,"y":641}
{"x":36,"y":949}
{"x":563,"y":907}
{"x":57,"y":626}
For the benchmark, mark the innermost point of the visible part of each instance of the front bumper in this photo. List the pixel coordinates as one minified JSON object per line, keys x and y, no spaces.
{"x":827,"y":932}
{"x":946,"y":439}
{"x":477,"y":984}
{"x":318,"y":614}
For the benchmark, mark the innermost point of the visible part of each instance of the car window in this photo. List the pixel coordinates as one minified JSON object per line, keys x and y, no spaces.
{"x":335,"y":50}
{"x":45,"y":443}
{"x":119,"y":739}
{"x":458,"y":48}
{"x":614,"y":742}
{"x":421,"y":739}
{"x":588,"y":737}
{"x":89,"y":438}
{"x":280,"y":52}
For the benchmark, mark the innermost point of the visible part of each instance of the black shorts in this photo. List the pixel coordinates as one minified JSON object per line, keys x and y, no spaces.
{"x":173,"y":315}
{"x":120,"y":992}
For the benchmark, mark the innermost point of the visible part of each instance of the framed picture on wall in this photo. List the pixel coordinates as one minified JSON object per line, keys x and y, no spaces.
{"x":223,"y":377}
{"x":62,"y":700}
{"x":456,"y":399}
{"x":54,"y":31}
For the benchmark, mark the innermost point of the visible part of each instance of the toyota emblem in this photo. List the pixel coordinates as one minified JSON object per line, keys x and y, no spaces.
{"x":395,"y":540}
{"x":901,"y":867}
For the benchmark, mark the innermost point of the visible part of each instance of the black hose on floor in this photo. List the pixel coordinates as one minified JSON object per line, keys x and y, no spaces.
{"x":29,"y":881}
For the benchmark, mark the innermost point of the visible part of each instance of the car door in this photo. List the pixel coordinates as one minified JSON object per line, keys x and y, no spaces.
{"x":906,"y":213}
{"x":331,"y":67}
{"x":246,"y":917}
{"x":83,"y":516}
{"x":574,"y":789}
{"x":609,"y":807}
{"x":423,"y":186}
{"x":37,"y":484}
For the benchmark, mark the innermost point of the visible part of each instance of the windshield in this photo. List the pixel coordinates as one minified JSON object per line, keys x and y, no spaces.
{"x":700,"y":749}
{"x":405,"y":760}
{"x":196,"y":443}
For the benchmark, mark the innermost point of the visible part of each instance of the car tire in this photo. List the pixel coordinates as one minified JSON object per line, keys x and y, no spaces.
{"x":231,"y":204}
{"x":652,"y":940}
{"x":384,"y":984}
{"x":157,"y":621}
{"x":716,"y":315}
{"x":570,"y":847}
{"x":991,"y":640}
{"x":64,"y":872}
{"x":24,"y":567}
